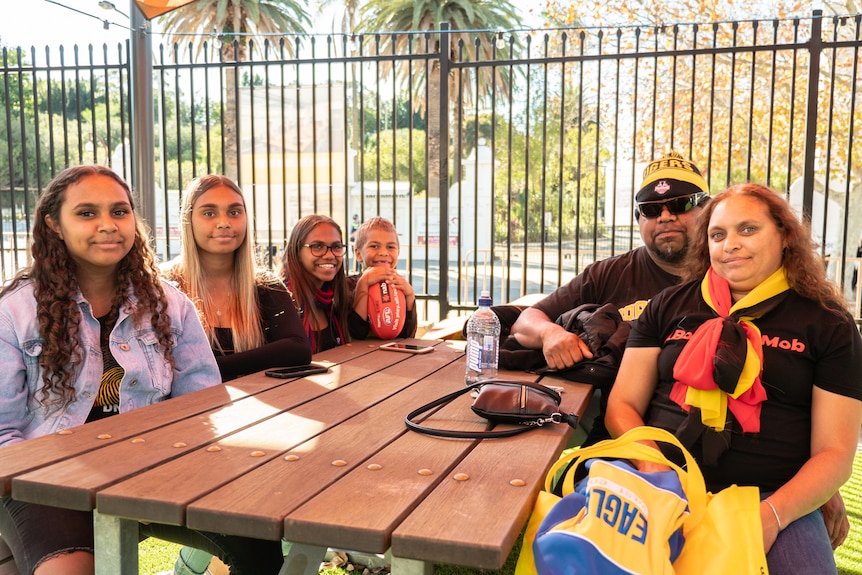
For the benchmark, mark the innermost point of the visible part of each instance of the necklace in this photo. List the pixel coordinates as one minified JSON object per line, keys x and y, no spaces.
{"x":223,"y":303}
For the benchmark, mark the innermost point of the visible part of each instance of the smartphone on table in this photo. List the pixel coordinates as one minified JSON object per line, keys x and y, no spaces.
{"x":296,"y":370}
{"x":406,"y":347}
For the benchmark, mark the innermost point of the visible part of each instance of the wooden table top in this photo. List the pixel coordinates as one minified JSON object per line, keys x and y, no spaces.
{"x":323,"y":460}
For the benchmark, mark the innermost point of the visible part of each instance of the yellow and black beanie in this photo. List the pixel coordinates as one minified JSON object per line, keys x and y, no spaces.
{"x":670,"y":176}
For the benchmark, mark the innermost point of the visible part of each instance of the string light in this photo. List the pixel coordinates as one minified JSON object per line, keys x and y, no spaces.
{"x":105,"y":22}
{"x":104,"y":4}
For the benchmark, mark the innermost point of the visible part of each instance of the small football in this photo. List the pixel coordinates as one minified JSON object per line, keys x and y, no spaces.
{"x":386,"y":310}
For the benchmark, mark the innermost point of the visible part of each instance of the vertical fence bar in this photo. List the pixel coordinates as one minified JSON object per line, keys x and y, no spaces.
{"x":443,"y":189}
{"x":827,"y":184}
{"x":815,"y":47}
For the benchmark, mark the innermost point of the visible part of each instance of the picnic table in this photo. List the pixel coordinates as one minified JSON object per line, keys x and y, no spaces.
{"x":323,"y":461}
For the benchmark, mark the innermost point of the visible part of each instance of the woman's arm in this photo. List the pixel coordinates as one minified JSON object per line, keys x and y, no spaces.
{"x":195,"y":366}
{"x":632,"y":390}
{"x":14,"y":391}
{"x":631,"y":394}
{"x":287,"y":343}
{"x":835,"y":424}
{"x":281,"y":353}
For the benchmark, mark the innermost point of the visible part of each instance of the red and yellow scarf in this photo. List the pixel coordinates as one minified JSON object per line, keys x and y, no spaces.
{"x":720,"y":366}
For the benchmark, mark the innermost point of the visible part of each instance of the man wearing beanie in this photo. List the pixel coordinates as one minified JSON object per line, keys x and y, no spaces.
{"x":667,"y":203}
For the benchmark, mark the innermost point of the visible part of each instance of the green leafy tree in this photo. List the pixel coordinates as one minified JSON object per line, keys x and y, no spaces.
{"x":407,"y":166}
{"x":569,"y":193}
{"x":753,"y":124}
{"x":234,"y":21}
{"x":53,"y":124}
{"x":464,"y":17}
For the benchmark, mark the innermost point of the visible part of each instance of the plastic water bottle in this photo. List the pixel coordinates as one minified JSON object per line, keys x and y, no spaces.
{"x":483,"y":342}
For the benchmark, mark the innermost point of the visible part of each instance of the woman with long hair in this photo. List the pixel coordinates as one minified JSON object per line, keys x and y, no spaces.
{"x":313,"y":268}
{"x":248,"y":316}
{"x":87,"y":331}
{"x":756,"y":364}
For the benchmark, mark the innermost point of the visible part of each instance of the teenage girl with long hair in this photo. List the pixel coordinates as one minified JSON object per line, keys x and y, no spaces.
{"x":87,"y":331}
{"x":248,"y":316}
{"x":313,"y":267}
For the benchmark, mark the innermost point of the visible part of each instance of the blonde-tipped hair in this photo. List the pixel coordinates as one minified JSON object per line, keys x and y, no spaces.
{"x":375,"y":223}
{"x":188,"y":273}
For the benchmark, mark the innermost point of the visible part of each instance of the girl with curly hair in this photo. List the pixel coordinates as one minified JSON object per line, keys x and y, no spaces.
{"x":87,"y":331}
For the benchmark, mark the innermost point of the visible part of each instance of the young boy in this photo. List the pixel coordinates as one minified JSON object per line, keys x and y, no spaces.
{"x":377,"y":249}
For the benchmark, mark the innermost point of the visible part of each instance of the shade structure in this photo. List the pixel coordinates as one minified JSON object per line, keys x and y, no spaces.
{"x":153,"y":8}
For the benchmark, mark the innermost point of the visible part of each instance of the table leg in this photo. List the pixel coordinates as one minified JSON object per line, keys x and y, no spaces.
{"x":402,"y":566}
{"x":303,"y":559}
{"x":116,"y":542}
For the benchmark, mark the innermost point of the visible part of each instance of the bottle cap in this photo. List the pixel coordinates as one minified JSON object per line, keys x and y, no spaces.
{"x":485,"y":298}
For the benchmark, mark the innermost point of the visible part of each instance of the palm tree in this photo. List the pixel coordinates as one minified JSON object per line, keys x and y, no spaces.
{"x":468,"y":16}
{"x":234,"y":21}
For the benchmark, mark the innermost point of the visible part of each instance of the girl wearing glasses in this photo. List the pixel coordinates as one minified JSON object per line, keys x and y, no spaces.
{"x":248,"y":315}
{"x":313,"y":268}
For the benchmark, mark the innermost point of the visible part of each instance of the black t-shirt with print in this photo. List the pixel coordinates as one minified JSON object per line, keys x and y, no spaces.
{"x":108,"y":399}
{"x":627,"y":281}
{"x":804,"y":346}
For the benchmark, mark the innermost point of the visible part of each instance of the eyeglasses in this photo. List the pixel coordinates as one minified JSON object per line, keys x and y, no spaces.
{"x":319,"y":249}
{"x":675,"y":206}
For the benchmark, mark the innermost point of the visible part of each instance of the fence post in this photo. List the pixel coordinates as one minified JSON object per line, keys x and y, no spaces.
{"x":444,"y":168}
{"x":815,"y":45}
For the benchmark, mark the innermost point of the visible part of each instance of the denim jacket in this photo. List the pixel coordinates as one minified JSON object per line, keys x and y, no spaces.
{"x":147,"y":377}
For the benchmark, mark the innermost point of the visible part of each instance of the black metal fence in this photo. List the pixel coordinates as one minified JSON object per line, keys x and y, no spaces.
{"x":532,"y":176}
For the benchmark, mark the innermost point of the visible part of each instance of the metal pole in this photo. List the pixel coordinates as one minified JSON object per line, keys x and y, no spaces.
{"x":141,"y":104}
{"x":443,"y":190}
{"x":815,"y":48}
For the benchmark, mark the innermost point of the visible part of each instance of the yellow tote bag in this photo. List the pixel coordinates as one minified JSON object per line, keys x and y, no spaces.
{"x":526,"y":562}
{"x":723,"y":532}
{"x":729,"y":537}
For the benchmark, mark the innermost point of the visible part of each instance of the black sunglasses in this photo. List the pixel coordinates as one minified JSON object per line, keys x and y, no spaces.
{"x":675,"y":206}
{"x":319,"y":249}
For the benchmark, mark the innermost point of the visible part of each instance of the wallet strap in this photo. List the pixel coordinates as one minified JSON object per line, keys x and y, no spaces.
{"x":572,"y":419}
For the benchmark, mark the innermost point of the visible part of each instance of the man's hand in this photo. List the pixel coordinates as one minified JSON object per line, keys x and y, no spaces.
{"x":835,"y":517}
{"x":561,"y":348}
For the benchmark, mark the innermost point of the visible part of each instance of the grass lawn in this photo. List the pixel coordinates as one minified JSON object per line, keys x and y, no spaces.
{"x":155,"y":555}
{"x":158,"y":555}
{"x":849,"y":555}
